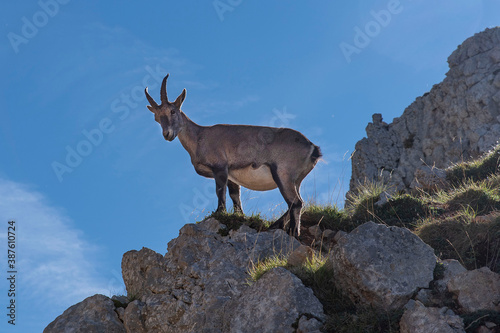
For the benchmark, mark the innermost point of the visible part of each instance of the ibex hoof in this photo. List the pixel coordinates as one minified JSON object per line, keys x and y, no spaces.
{"x":276,"y":225}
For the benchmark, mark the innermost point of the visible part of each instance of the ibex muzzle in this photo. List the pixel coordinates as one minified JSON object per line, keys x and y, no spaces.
{"x":256,"y":157}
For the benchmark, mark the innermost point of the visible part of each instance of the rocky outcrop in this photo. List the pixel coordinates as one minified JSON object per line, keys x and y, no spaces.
{"x":94,"y":314}
{"x":202,"y":284}
{"x":199,"y":283}
{"x":457,"y":120}
{"x":382,"y":266}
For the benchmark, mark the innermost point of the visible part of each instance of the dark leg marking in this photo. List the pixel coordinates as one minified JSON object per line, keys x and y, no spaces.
{"x":281,"y":222}
{"x":289,"y":192}
{"x":220,"y":176}
{"x":234,"y":193}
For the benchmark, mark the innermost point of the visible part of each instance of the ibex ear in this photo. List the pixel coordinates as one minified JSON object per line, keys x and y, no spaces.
{"x":178,"y":102}
{"x":151,"y":108}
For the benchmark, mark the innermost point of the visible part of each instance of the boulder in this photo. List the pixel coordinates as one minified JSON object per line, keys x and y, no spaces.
{"x":419,"y":319}
{"x":275,"y":303}
{"x":193,"y":287}
{"x":476,"y":290}
{"x":134,"y":317}
{"x":95,"y":314}
{"x":315,"y":231}
{"x":338,"y":236}
{"x":300,"y":256}
{"x":382,"y":266}
{"x":144,"y":272}
{"x":451,"y":268}
{"x":328,"y":235}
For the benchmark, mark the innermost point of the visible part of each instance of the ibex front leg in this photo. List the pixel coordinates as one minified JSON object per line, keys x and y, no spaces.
{"x":220,"y":176}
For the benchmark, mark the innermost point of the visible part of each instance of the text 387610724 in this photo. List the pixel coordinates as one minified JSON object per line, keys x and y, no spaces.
{"x":11,"y":272}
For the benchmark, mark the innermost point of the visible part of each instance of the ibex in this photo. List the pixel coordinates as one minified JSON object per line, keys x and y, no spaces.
{"x":256,"y":157}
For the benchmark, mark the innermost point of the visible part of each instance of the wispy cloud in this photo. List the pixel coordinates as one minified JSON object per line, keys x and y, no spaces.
{"x":57,"y":266}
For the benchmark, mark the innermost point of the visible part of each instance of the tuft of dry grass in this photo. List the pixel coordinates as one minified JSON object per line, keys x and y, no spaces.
{"x":474,"y":241}
{"x":475,"y":170}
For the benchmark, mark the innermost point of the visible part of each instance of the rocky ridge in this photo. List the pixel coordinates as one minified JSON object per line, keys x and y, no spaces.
{"x":202,"y":284}
{"x":456,"y":120}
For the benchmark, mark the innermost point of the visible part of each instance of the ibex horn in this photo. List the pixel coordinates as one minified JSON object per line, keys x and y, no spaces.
{"x":163,"y":90}
{"x":150,"y":99}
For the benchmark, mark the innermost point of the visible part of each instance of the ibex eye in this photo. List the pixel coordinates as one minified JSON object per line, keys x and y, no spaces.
{"x":172,"y":111}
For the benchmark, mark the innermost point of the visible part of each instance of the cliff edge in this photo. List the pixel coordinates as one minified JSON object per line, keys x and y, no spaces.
{"x":457,"y":120}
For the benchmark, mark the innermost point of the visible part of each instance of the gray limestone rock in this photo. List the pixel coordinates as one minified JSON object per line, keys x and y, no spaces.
{"x":456,"y":120}
{"x":476,"y":290}
{"x":451,"y":268}
{"x":382,"y":266}
{"x":190,"y":288}
{"x":95,"y":314}
{"x":419,"y":319}
{"x":274,"y":303}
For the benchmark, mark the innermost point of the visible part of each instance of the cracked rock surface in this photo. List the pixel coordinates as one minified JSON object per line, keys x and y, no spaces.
{"x":201,"y":285}
{"x":280,"y":300}
{"x":418,"y":318}
{"x":375,"y":265}
{"x":456,"y":120}
{"x":94,"y":314}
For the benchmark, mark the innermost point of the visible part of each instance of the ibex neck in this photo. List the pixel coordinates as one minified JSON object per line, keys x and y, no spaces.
{"x":189,"y":134}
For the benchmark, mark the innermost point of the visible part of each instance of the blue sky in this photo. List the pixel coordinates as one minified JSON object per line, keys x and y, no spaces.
{"x":85,"y":171}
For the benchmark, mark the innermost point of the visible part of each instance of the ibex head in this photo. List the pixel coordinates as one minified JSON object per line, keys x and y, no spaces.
{"x":168,"y":115}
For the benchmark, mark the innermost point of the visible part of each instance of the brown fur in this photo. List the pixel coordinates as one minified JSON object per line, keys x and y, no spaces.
{"x":257,"y":157}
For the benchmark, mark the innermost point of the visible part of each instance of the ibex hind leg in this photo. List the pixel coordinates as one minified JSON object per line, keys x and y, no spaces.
{"x":289,"y":190}
{"x":234,"y":193}
{"x":283,"y":221}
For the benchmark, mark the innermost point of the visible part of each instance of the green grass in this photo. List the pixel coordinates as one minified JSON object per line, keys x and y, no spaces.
{"x":474,"y":243}
{"x":361,"y":204}
{"x":475,"y":170}
{"x":342,"y":314}
{"x":258,"y":269}
{"x":482,"y":196}
{"x":327,"y":216}
{"x":402,"y":211}
{"x":304,"y":271}
{"x":233,"y":221}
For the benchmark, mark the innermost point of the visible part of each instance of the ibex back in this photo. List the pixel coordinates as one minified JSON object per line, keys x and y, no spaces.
{"x":256,"y":157}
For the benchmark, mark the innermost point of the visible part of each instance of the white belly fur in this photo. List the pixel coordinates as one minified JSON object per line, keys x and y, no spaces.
{"x":259,"y":179}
